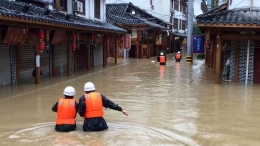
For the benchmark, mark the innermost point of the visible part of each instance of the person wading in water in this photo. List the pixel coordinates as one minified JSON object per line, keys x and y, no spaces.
{"x":91,"y":108}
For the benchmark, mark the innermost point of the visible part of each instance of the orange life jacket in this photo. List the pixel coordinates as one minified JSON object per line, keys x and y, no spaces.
{"x":178,"y":56}
{"x":94,"y":105}
{"x":162,"y":59}
{"x":66,"y":112}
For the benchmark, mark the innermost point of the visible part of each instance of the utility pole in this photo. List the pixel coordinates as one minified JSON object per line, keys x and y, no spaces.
{"x":189,"y":57}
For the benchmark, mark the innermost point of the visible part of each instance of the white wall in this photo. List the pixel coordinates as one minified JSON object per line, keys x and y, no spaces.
{"x":197,"y":7}
{"x":161,"y":7}
{"x":245,"y":3}
{"x":89,"y":9}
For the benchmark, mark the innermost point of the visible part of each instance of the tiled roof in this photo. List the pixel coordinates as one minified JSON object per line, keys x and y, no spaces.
{"x":117,"y":14}
{"x":235,"y":16}
{"x":15,"y":9}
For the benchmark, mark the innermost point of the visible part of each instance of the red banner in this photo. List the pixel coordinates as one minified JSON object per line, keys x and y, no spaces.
{"x":16,"y":35}
{"x":127,"y":41}
{"x":58,"y":36}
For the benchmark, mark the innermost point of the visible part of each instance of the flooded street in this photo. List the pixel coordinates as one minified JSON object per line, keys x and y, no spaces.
{"x":175,"y":105}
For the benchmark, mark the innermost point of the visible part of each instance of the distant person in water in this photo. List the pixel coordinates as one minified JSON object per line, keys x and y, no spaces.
{"x":178,"y":57}
{"x":91,"y":108}
{"x":66,"y":109}
{"x":162,"y":59}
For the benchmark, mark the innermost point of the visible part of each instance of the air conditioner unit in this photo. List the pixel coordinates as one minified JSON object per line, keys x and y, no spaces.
{"x":78,"y":6}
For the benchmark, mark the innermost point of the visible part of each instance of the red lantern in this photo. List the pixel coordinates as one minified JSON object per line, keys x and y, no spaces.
{"x":41,"y":46}
{"x":73,"y":36}
{"x":41,"y":34}
{"x":92,"y":37}
{"x":73,"y":45}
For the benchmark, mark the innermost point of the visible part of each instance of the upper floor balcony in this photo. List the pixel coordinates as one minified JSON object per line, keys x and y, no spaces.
{"x":89,"y":9}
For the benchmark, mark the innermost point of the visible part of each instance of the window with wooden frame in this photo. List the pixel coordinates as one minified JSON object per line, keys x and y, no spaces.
{"x":175,"y":25}
{"x":183,"y":24}
{"x":61,"y":5}
{"x":97,"y":9}
{"x":176,"y":5}
{"x":83,"y":3}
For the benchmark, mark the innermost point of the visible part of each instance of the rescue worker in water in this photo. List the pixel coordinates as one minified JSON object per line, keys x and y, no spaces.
{"x":66,"y":109}
{"x":91,"y":108}
{"x":178,"y":56}
{"x":162,"y":59}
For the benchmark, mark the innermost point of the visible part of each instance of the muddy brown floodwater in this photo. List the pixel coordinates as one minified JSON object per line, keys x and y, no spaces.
{"x":164,"y":109}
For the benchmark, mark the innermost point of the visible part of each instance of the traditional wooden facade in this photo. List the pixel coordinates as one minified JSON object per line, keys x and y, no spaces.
{"x":234,"y":35}
{"x":37,"y":42}
{"x":149,"y":34}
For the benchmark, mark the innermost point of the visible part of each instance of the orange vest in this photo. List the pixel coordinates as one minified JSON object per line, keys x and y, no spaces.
{"x":162,"y":59}
{"x":178,"y":56}
{"x":94,"y":105}
{"x":66,"y":112}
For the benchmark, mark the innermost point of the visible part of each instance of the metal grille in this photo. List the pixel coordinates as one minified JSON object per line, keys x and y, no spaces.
{"x":26,"y":62}
{"x":98,"y":56}
{"x":246,"y":58}
{"x":60,"y":52}
{"x":45,"y":66}
{"x":5,"y":65}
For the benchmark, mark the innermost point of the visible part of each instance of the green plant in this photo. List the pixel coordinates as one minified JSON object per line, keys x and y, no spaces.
{"x":196,"y":30}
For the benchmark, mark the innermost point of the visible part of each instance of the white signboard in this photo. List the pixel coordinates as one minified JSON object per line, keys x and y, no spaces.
{"x":37,"y":60}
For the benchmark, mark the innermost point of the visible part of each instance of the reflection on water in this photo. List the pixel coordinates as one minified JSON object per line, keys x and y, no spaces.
{"x":176,"y":104}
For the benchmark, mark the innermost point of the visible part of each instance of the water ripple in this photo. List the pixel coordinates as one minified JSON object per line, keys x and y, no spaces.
{"x":117,"y":134}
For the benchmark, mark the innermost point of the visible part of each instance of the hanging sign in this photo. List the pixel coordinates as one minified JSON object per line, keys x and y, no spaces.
{"x":198,"y":44}
{"x":127,"y":41}
{"x":16,"y":35}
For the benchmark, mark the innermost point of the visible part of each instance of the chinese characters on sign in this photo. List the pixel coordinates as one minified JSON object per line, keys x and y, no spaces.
{"x":127,"y":41}
{"x":198,"y":45}
{"x":16,"y":35}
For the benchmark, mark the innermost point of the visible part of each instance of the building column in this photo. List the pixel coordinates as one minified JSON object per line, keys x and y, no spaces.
{"x":53,"y":59}
{"x":17,"y":65}
{"x":137,"y":49}
{"x":206,"y":49}
{"x":218,"y":58}
{"x":13,"y":64}
{"x":236,"y":64}
{"x":69,"y":57}
{"x":88,"y":56}
{"x":37,"y":66}
{"x":104,"y":53}
{"x":189,"y":57}
{"x":116,"y":51}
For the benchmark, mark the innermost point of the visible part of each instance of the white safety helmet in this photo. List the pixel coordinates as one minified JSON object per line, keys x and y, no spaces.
{"x":89,"y":86}
{"x":69,"y":91}
{"x":161,"y":53}
{"x":178,"y":52}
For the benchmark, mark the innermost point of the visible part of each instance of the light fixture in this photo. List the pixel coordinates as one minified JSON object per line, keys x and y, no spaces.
{"x":133,"y":12}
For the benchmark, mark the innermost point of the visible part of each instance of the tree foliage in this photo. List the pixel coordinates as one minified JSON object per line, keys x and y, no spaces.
{"x":196,"y":30}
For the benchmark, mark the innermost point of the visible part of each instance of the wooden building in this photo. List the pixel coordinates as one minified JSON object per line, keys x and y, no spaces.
{"x":232,"y":34}
{"x":149,"y":34}
{"x":37,"y":41}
